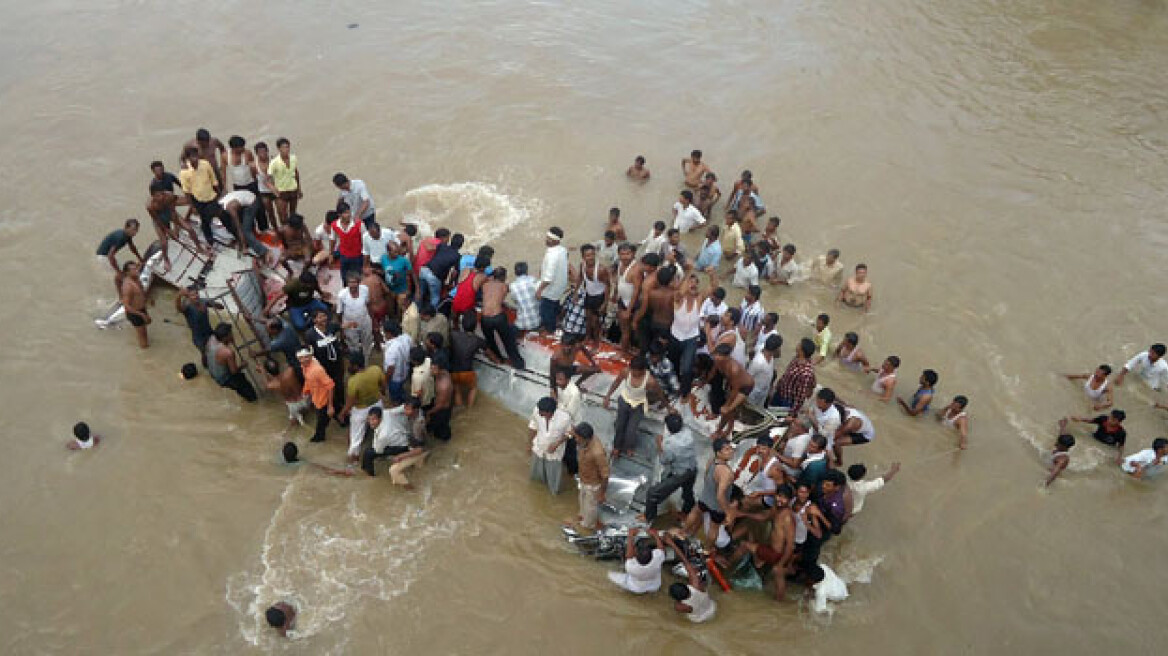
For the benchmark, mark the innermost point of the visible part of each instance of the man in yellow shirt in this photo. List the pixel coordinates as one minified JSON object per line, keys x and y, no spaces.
{"x":202,"y":189}
{"x":286,"y":176}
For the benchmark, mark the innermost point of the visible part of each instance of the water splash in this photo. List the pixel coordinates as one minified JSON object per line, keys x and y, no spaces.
{"x":481,"y":211}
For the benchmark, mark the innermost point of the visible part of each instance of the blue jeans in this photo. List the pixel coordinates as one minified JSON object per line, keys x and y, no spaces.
{"x":682,"y":354}
{"x":351,"y":265}
{"x":300,"y":316}
{"x":397,"y":390}
{"x":549,"y":312}
{"x":428,"y":282}
{"x":248,"y":222}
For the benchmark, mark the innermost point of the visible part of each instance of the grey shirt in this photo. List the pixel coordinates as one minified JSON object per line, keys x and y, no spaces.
{"x":677,"y":451}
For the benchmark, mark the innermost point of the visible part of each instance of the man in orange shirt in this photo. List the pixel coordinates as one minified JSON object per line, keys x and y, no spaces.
{"x":318,"y":386}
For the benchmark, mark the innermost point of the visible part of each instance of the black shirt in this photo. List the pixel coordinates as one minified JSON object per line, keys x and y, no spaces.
{"x":298,"y":293}
{"x":114,"y":241}
{"x":445,"y":258}
{"x":463,"y":346}
{"x":167,"y":182}
{"x":1117,"y":438}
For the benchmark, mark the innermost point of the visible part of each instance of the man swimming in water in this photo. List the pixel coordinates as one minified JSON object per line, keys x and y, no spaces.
{"x":1149,"y":461}
{"x":82,"y":440}
{"x":638,"y":171}
{"x":694,"y":169}
{"x":955,"y":417}
{"x":1108,"y":430}
{"x":281,"y":617}
{"x":1059,"y":457}
{"x":923,"y":396}
{"x":1097,"y":387}
{"x":1150,"y":365}
{"x":857,"y":291}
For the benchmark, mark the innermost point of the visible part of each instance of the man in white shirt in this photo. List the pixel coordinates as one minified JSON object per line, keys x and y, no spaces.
{"x":355,"y":194}
{"x":686,"y":216}
{"x":656,"y":241}
{"x":567,"y":395}
{"x":1150,"y":366}
{"x":643,"y":561}
{"x":861,"y":488}
{"x":825,"y":417}
{"x":375,"y":243}
{"x":793,"y":451}
{"x":553,"y":280}
{"x":691,"y":598}
{"x":1147,"y":462}
{"x":549,"y":429}
{"x":762,"y":370}
{"x":397,"y":360}
{"x":715,"y":304}
{"x":745,"y":272}
{"x":826,"y":586}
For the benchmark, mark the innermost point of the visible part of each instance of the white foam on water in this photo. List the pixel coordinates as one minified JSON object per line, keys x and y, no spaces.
{"x":858,"y":570}
{"x":480,"y":211}
{"x":326,"y":558}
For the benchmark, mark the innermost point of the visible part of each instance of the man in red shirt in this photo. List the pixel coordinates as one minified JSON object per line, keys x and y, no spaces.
{"x":349,"y":244}
{"x":798,"y":381}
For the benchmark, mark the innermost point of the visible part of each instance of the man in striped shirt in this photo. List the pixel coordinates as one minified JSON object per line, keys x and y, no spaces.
{"x":752,"y":316}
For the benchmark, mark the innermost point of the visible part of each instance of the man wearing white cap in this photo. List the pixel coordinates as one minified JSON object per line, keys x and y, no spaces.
{"x":553,"y":280}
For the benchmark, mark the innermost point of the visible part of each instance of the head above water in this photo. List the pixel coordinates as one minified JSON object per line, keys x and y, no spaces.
{"x":674,"y":422}
{"x":290,"y":452}
{"x":341,"y":181}
{"x":929,"y":378}
{"x":81,"y":431}
{"x":188,"y":371}
{"x":521,"y":269}
{"x":1156,"y":352}
{"x":583,"y":431}
{"x":857,"y":471}
{"x":1065,"y":442}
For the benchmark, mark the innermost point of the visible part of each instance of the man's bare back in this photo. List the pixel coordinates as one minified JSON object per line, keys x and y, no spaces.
{"x":494,"y":293}
{"x":443,"y":390}
{"x":377,"y":292}
{"x":288,"y":385}
{"x":661,"y":304}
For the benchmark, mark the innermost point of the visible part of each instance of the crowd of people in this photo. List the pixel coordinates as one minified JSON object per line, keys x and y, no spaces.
{"x":430,"y":306}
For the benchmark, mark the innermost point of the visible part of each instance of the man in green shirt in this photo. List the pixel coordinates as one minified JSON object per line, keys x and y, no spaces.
{"x":363,"y":392}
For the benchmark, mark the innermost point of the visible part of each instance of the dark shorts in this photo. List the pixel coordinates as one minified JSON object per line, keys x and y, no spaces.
{"x":287,"y":195}
{"x":715,"y":515}
{"x":165,"y":217}
{"x":858,"y":438}
{"x":593,"y":302}
{"x":135,"y":320}
{"x":768,"y":555}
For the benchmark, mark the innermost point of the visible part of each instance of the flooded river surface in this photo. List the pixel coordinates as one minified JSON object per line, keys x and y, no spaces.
{"x":1000,"y":166}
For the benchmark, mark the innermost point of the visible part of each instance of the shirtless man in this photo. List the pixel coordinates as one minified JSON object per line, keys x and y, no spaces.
{"x":290,"y":386}
{"x":638,"y":171}
{"x":634,"y":277}
{"x":779,"y":551}
{"x":694,"y":169}
{"x":134,"y":301}
{"x":739,"y":385}
{"x":708,"y":195}
{"x":162,"y":209}
{"x":297,"y":242}
{"x":494,"y":320}
{"x":654,"y":319}
{"x":382,"y":302}
{"x":207,"y":145}
{"x":564,"y":359}
{"x":438,"y":416}
{"x":857,"y":291}
{"x":595,"y":279}
{"x":614,"y":224}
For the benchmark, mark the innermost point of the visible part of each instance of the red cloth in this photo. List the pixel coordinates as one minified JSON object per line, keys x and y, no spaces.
{"x":464,"y":297}
{"x":424,"y":256}
{"x":348,"y":243}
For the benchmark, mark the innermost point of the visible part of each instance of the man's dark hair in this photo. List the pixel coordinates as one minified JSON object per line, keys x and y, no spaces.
{"x":81,"y":431}
{"x":260,"y":145}
{"x":436,"y":339}
{"x":584,"y":430}
{"x":1065,"y":441}
{"x":236,"y":141}
{"x":639,"y":363}
{"x":521,"y":268}
{"x":486,"y":251}
{"x":815,"y":574}
{"x":609,"y":234}
{"x":202,"y":135}
{"x":773,"y":343}
{"x":557,"y":231}
{"x":644,"y":551}
{"x":688,"y":195}
{"x":735,"y":315}
{"x":930,"y":376}
{"x":340,"y":179}
{"x":296,"y":221}
{"x":836,"y":476}
{"x":961,"y":400}
{"x":276,"y":617}
{"x":723,"y":349}
{"x":426,"y":310}
{"x":826,"y":394}
{"x":587,"y":248}
{"x":157,"y":165}
{"x":679,"y":591}
{"x":392,"y":327}
{"x":189,"y":371}
{"x":755,"y":291}
{"x":651,"y":259}
{"x":673,"y":422}
{"x":819,"y":441}
{"x":857,"y":471}
{"x":457,"y":241}
{"x":376,"y":411}
{"x":417,"y":355}
{"x":413,"y":402}
{"x":614,"y":211}
{"x":500,"y":274}
{"x":222,"y":331}
{"x":1159,"y":443}
{"x":273,"y":367}
{"x":1118,"y":415}
{"x":895,"y":360}
{"x":696,"y":153}
{"x":283,"y":141}
{"x":442,"y":233}
{"x":482,"y":262}
{"x":1158,"y":349}
{"x":546,"y":404}
{"x":720,"y":294}
{"x":852,"y":338}
{"x":659,"y":225}
{"x":639,"y":159}
{"x":411,"y":229}
{"x":664,"y":276}
{"x":291,"y":454}
{"x":357,"y":359}
{"x":824,"y":318}
{"x":785,"y":490}
{"x":1105,"y":368}
{"x":307,"y":277}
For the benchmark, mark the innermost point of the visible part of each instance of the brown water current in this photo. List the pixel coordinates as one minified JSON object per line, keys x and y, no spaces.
{"x":1000,"y":166}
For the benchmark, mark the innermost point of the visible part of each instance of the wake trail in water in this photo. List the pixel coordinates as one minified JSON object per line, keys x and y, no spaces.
{"x":481,"y":211}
